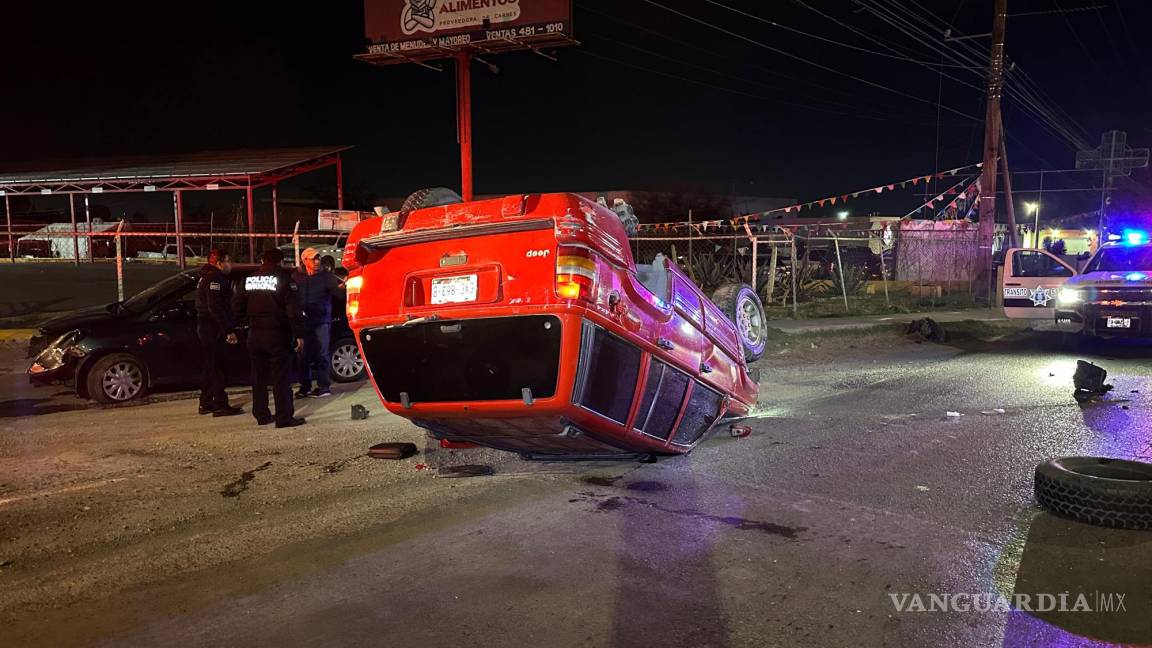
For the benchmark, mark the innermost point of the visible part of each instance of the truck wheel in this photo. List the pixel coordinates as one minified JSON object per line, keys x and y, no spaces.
{"x":346,"y":364}
{"x":116,"y":378}
{"x":430,"y":197}
{"x":742,"y":305}
{"x":1095,"y":490}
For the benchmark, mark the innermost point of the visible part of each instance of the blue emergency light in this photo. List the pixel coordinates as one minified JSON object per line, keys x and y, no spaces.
{"x":1135,"y":237}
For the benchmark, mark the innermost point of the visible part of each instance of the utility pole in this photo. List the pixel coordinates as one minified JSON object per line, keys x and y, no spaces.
{"x":1115,"y":160}
{"x":992,"y":134}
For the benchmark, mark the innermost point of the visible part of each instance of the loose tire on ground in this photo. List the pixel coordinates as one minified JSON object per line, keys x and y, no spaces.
{"x":1105,"y":492}
{"x":429,"y":197}
{"x":116,"y":378}
{"x":742,"y":305}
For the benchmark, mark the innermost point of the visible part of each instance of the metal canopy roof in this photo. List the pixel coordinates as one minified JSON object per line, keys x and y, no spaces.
{"x":204,"y":170}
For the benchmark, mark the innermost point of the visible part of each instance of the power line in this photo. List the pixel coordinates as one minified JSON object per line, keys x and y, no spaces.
{"x":851,"y":108}
{"x":886,"y":46}
{"x":1108,"y":37}
{"x":1075,"y":35}
{"x":733,"y":90}
{"x":1019,"y":71}
{"x":1048,"y":12}
{"x":724,"y":57}
{"x":804,"y":60}
{"x":1033,"y":106}
{"x":1039,"y":98}
{"x":718,"y":55}
{"x":898,"y":57}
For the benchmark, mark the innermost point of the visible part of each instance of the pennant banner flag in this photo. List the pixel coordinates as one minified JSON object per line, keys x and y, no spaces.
{"x":842,"y":198}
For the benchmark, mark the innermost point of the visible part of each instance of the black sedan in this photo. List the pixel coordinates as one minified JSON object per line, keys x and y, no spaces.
{"x":118,"y":352}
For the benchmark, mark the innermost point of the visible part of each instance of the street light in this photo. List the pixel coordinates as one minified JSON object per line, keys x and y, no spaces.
{"x":842,"y":215}
{"x":1033,"y":208}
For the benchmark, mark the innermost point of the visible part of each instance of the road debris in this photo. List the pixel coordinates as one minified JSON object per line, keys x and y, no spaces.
{"x":466,"y":470}
{"x":392,"y":450}
{"x":233,"y":489}
{"x":359,"y":412}
{"x":1089,"y":382}
{"x":952,"y":415}
{"x":926,"y":330}
{"x":992,"y":412}
{"x":338,"y":465}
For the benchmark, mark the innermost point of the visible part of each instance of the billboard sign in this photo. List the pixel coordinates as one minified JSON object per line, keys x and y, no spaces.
{"x":423,"y":29}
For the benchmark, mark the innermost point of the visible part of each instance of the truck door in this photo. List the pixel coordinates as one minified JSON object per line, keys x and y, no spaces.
{"x":1031,"y":280}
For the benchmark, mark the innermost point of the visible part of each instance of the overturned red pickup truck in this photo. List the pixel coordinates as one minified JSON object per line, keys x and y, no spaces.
{"x":523,"y":324}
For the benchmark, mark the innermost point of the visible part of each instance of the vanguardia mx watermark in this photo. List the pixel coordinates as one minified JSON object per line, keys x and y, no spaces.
{"x":969,"y":602}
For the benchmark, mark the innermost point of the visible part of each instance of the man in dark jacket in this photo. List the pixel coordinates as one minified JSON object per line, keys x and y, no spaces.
{"x":268,"y":299}
{"x":318,"y":290}
{"x":216,"y":329}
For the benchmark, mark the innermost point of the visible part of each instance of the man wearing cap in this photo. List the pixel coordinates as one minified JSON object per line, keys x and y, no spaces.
{"x":268,"y":299}
{"x":318,"y":289}
{"x":216,"y":329}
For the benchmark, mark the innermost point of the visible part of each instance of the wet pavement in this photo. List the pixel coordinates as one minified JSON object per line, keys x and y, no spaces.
{"x":149,"y":526}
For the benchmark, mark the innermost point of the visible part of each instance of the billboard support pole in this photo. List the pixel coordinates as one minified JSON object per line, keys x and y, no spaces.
{"x":464,"y":120}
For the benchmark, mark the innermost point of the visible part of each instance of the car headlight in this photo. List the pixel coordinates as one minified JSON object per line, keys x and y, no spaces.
{"x":55,"y":355}
{"x":1068,"y":296}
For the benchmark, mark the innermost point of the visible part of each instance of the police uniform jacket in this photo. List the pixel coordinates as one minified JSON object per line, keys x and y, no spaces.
{"x":267,"y":298}
{"x":214,"y":297}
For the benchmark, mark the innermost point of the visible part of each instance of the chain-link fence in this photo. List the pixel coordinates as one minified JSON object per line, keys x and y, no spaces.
{"x":798,"y":270}
{"x":816,"y":270}
{"x":134,"y":256}
{"x":147,"y":242}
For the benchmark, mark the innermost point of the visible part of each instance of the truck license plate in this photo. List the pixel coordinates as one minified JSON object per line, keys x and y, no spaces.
{"x":454,"y":290}
{"x":1119,"y":322}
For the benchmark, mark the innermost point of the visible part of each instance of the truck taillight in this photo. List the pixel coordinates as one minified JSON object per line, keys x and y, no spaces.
{"x":575,"y":273}
{"x":352,"y":287}
{"x":350,"y":260}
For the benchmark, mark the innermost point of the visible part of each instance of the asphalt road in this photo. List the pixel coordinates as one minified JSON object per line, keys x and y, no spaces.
{"x":150,"y":526}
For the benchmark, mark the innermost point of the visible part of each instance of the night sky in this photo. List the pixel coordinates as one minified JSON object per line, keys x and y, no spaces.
{"x":650,"y":101}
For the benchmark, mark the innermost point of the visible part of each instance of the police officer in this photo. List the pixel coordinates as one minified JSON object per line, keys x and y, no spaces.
{"x":268,"y":299}
{"x":216,"y":329}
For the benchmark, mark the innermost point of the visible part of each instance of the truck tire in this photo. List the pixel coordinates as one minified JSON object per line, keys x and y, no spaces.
{"x":1105,"y":492}
{"x":116,"y":378}
{"x":429,"y":197}
{"x":743,"y":306}
{"x":345,"y":363}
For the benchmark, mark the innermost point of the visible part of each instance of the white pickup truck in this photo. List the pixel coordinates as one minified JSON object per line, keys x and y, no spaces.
{"x":1110,"y":297}
{"x":170,"y":253}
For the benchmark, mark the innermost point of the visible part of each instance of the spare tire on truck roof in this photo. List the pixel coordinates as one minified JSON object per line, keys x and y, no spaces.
{"x":429,"y":197}
{"x":743,"y":307}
